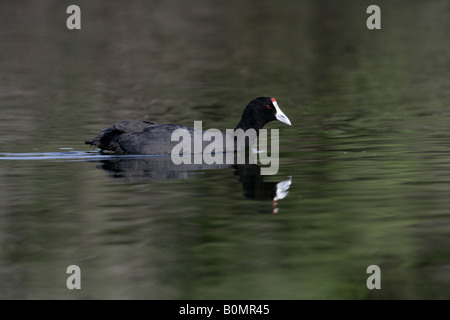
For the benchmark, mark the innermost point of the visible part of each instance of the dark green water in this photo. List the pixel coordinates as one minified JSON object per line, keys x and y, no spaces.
{"x":368,"y":151}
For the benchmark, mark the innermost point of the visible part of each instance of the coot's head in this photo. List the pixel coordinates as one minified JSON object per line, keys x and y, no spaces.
{"x":260,"y":111}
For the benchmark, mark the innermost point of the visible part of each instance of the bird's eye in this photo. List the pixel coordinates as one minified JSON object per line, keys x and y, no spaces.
{"x":268,"y":106}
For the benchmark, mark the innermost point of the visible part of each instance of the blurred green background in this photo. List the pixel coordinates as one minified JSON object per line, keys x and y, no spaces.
{"x":367,"y":151}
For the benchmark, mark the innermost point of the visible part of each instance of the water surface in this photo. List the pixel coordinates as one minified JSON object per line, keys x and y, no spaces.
{"x":367,"y":156}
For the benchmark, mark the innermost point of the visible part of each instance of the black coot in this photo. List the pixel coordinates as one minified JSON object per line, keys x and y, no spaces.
{"x":145,"y":137}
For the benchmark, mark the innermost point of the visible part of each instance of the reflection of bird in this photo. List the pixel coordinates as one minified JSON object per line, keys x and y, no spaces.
{"x":282,"y":190}
{"x":145,"y":137}
{"x":138,"y":168}
{"x":141,"y":168}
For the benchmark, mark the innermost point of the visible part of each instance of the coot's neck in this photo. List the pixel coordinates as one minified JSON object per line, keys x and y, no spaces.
{"x":245,"y":124}
{"x":250,"y":123}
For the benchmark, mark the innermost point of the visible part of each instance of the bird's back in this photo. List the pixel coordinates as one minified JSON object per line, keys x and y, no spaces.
{"x":138,"y":137}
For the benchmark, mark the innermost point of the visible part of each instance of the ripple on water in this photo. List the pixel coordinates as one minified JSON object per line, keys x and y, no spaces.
{"x":66,"y":156}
